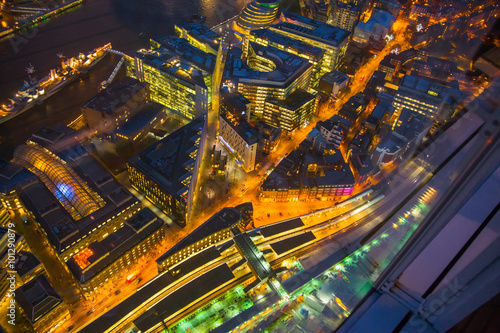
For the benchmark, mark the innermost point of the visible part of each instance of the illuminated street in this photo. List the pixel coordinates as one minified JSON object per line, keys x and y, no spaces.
{"x":256,"y":166}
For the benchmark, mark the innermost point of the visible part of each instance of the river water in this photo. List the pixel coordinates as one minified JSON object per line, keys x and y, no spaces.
{"x":127,"y":24}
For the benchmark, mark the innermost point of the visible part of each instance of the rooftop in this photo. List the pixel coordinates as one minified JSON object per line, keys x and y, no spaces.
{"x":113,"y":97}
{"x":11,"y":175}
{"x":288,"y":67}
{"x":26,"y":262}
{"x":335,"y":77}
{"x":182,"y":48}
{"x":246,"y":131}
{"x":99,"y":255}
{"x":169,"y":62}
{"x":47,"y":205}
{"x":227,"y":217}
{"x":37,"y":298}
{"x":313,"y":29}
{"x":200,"y":32}
{"x":294,"y":101}
{"x":147,"y":115}
{"x":171,"y":159}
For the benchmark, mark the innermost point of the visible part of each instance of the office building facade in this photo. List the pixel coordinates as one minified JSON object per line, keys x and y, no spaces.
{"x":290,"y":113}
{"x":267,"y":37}
{"x":103,"y":260}
{"x":333,"y":40}
{"x":240,"y":138}
{"x":345,"y":16}
{"x":179,"y":75}
{"x":164,"y":171}
{"x":268,"y":72}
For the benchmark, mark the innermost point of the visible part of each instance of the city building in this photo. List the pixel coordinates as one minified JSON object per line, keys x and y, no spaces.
{"x":381,"y":114}
{"x":309,"y":176}
{"x":257,"y":14}
{"x":345,"y":15}
{"x":332,"y":83}
{"x":113,"y":106}
{"x":427,"y":97}
{"x":77,"y":201}
{"x":391,"y":64}
{"x":240,"y":138}
{"x":352,"y":109}
{"x":139,"y":125}
{"x":267,"y":37}
{"x":362,"y":167}
{"x":166,"y":171}
{"x":105,"y":259}
{"x":334,"y":130}
{"x":12,"y":178}
{"x":235,"y":103}
{"x":269,"y":137}
{"x":179,"y":75}
{"x":393,"y":7}
{"x":320,"y":10}
{"x":41,"y":304}
{"x":216,"y":230}
{"x":375,"y":29}
{"x":267,"y":72}
{"x":199,"y":36}
{"x":409,"y":131}
{"x":332,"y":39}
{"x":292,"y":112}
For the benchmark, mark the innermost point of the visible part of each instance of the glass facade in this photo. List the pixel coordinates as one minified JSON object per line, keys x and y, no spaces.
{"x":71,"y":191}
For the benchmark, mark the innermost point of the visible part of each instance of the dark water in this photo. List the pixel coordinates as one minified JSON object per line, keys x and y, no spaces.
{"x":93,"y":24}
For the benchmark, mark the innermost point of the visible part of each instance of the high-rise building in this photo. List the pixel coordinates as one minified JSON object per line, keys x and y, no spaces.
{"x":179,"y":75}
{"x":291,"y":112}
{"x":267,"y":37}
{"x":164,"y":171}
{"x":345,"y":15}
{"x":332,"y":39}
{"x":257,"y":14}
{"x":240,"y":138}
{"x":267,"y":72}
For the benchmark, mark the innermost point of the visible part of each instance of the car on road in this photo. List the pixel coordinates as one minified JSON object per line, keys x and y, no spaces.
{"x":91,"y":311}
{"x":117,"y":292}
{"x":70,"y":328}
{"x":25,"y":220}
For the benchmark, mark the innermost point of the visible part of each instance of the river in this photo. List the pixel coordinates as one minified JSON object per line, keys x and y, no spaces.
{"x":127,"y":24}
